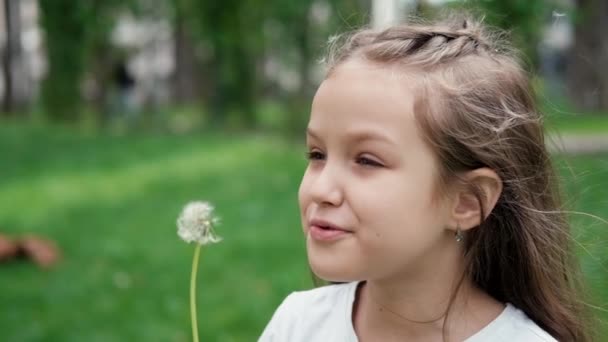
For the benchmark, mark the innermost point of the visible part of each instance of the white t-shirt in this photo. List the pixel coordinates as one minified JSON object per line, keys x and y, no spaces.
{"x":324,"y":314}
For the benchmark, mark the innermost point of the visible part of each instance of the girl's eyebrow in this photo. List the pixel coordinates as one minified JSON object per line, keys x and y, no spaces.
{"x":311,"y":133}
{"x":358,"y":136}
{"x":365,"y":135}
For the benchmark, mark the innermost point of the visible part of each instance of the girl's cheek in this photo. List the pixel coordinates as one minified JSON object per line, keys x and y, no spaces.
{"x":303,"y":191}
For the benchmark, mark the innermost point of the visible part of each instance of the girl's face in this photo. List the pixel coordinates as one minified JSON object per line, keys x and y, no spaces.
{"x":371,"y":179}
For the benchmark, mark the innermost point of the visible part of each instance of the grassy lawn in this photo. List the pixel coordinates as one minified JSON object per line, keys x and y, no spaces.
{"x":111,"y":203}
{"x":592,"y":124}
{"x":566,"y":120}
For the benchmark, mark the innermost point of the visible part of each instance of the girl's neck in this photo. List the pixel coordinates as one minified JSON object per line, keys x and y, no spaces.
{"x":421,"y":311}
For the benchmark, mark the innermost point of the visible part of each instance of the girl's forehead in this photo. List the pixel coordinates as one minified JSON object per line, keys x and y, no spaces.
{"x":362,"y":97}
{"x":365,"y":88}
{"x":388,"y":71}
{"x":361,"y":82}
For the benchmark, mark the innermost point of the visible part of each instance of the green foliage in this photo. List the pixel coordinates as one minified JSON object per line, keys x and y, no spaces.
{"x":111,"y":204}
{"x":75,"y":33}
{"x":232,"y":30}
{"x":231,"y":35}
{"x":236,"y":35}
{"x":523,"y":19}
{"x":64,"y":25}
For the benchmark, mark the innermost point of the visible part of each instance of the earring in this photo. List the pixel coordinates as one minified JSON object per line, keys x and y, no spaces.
{"x":458,"y":234}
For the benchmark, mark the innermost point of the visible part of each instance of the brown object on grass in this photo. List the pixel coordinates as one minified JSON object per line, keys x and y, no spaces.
{"x":42,"y":251}
{"x":8,"y":248}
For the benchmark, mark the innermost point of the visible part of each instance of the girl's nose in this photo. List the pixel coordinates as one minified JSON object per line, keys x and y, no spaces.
{"x":326,"y":188}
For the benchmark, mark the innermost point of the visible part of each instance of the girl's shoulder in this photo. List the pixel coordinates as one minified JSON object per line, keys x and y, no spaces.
{"x":320,"y":314}
{"x":512,"y":325}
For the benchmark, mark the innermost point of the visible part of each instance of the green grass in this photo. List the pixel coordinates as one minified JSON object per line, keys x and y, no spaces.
{"x":111,"y":204}
{"x":571,"y":124}
{"x":585,"y":179}
{"x":564,"y":119}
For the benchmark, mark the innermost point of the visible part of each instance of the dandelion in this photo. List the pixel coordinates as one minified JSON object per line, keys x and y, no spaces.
{"x":195,"y":224}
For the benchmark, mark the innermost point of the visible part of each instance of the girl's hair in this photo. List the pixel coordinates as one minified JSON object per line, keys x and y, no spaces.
{"x":475,"y":107}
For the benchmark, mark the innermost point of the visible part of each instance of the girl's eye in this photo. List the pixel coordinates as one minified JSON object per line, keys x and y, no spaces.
{"x":315,"y":155}
{"x":368,"y":162}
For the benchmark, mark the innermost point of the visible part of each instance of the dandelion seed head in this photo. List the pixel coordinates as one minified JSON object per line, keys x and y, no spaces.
{"x":196,"y":223}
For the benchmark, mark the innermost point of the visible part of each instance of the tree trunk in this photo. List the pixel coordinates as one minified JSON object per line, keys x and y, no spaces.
{"x":65,"y":38}
{"x":587,"y":71}
{"x":102,"y":73}
{"x":186,"y":82}
{"x":232,"y":68}
{"x":12,"y":59}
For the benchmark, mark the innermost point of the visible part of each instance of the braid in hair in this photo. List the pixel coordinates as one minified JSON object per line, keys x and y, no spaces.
{"x":418,"y":45}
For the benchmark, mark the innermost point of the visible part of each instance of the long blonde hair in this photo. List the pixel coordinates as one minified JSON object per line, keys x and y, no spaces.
{"x":476,"y":108}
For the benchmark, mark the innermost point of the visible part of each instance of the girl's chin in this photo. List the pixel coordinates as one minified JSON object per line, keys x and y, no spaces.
{"x":334,"y":263}
{"x":333,"y":274}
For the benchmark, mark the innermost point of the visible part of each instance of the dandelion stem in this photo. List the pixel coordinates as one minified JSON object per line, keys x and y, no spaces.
{"x":197,"y":252}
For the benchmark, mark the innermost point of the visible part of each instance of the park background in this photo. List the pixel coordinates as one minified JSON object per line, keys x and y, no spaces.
{"x":115,"y":113}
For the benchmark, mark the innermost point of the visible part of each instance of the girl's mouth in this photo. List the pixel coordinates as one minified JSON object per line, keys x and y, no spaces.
{"x":324,"y":231}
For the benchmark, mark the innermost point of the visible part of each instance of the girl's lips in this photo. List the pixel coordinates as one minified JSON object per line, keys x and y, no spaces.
{"x":326,"y":234}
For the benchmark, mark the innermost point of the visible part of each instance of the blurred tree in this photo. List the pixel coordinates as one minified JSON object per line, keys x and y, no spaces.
{"x":300,"y":29}
{"x":187,"y":84}
{"x":236,"y":37}
{"x":64,"y":23}
{"x":12,"y":60}
{"x":299,"y":33}
{"x":522,"y":18}
{"x":231,"y":30}
{"x":233,"y":40}
{"x":294,"y":19}
{"x":100,"y":56}
{"x":288,"y":39}
{"x":76,"y":38}
{"x":588,"y":60}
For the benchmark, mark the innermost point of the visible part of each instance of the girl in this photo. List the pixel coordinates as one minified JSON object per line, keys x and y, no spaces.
{"x":430,"y":197}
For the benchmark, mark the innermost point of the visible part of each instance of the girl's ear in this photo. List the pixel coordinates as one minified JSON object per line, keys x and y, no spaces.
{"x":479,"y":195}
